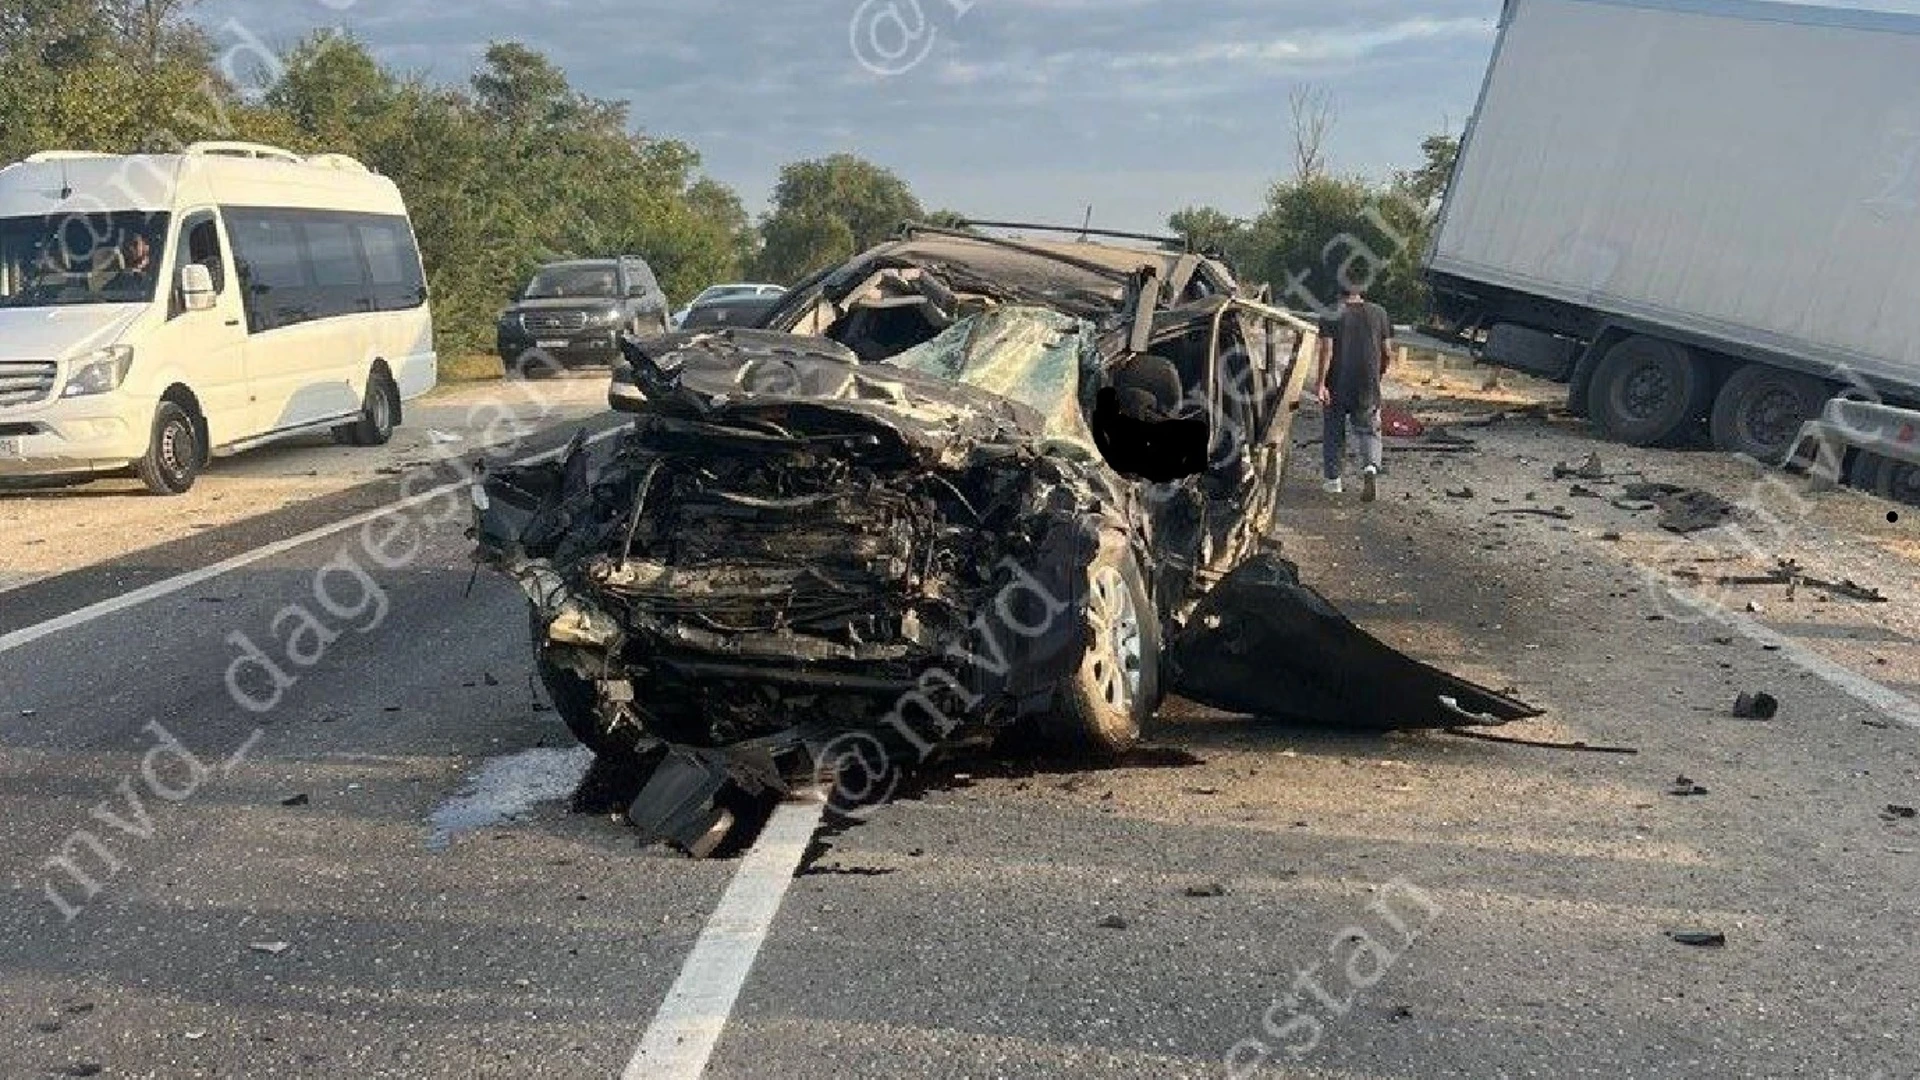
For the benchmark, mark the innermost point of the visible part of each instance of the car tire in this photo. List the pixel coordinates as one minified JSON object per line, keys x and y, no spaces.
{"x":1649,"y":392}
{"x":1112,"y":694}
{"x":1760,"y":410}
{"x":379,"y":414}
{"x":173,"y":458}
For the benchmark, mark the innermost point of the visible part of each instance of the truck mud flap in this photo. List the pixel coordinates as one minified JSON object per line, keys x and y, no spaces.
{"x":1263,"y":644}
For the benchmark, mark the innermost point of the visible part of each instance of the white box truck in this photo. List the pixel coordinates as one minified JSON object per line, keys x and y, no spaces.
{"x":158,"y":309}
{"x":1700,"y":211}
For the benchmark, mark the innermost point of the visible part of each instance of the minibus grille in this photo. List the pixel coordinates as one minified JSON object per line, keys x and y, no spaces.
{"x":545,"y":322}
{"x":23,"y":382}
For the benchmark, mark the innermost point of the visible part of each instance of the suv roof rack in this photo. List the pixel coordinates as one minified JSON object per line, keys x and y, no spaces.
{"x":1079,"y":230}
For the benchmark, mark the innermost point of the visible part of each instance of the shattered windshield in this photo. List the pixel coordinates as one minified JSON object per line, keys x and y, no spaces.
{"x":59,"y":260}
{"x":1037,"y":357}
{"x":560,"y":282}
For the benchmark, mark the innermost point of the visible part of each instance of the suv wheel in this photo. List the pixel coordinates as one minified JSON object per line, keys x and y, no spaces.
{"x":1113,"y":693}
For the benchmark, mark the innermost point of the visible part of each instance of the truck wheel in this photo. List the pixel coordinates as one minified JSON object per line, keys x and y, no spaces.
{"x":1647,"y":392}
{"x":1107,"y":701}
{"x":1898,"y":481}
{"x":378,"y":415}
{"x":1760,"y":410}
{"x":172,"y":461}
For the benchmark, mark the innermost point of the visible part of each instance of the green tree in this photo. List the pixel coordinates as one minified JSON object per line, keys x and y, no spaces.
{"x":826,"y":210}
{"x":1318,"y":234}
{"x":1205,"y":228}
{"x":1427,"y":184}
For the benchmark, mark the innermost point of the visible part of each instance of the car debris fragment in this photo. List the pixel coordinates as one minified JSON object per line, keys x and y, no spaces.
{"x":1684,"y":787}
{"x":1699,"y":939}
{"x":1789,"y":573}
{"x":960,"y":489}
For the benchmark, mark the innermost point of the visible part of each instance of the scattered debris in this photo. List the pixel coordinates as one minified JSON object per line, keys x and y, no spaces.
{"x":1898,"y":813}
{"x":271,"y":948}
{"x":1558,"y":513}
{"x":1398,"y":423}
{"x":1581,"y":747}
{"x":441,"y":438}
{"x":1699,"y":939}
{"x":1582,"y":491}
{"x":1682,"y":510}
{"x":1612,"y":536}
{"x":1591,"y":469}
{"x":48,"y":1027}
{"x":28,"y":714}
{"x":1756,"y":609}
{"x":1206,"y":891}
{"x":1790,"y":574}
{"x":1113,"y":922}
{"x":1756,"y":706}
{"x":301,"y":799}
{"x":1462,"y":493}
{"x":1684,"y":787}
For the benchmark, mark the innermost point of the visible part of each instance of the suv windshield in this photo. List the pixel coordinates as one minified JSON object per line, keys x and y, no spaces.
{"x":557,"y":282}
{"x":65,"y":259}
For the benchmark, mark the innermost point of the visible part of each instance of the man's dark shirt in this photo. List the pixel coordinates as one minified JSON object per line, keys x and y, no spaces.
{"x":1359,"y":332}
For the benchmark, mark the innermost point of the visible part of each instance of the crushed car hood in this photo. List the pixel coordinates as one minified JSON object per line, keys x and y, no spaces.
{"x":710,"y":376}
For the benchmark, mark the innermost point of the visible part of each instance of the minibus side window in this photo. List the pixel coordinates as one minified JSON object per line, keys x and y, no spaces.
{"x":203,"y":246}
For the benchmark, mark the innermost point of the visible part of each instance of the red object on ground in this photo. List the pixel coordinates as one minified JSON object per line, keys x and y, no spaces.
{"x":1399,"y":423}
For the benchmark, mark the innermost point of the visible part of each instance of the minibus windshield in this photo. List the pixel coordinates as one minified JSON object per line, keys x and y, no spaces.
{"x":58,"y":260}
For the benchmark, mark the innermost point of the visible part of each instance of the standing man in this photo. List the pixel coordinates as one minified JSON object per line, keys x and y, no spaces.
{"x":1356,"y":345}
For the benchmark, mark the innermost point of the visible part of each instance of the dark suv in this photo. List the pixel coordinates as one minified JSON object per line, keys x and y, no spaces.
{"x":1014,"y":487}
{"x":573,"y":313}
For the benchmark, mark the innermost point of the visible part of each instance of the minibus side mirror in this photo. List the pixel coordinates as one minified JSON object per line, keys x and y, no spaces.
{"x":196,"y":287}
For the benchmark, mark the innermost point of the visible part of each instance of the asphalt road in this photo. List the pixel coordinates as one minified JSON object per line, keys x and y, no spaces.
{"x":284,"y":903}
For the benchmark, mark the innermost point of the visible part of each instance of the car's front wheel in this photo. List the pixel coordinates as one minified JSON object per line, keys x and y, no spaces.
{"x":1109,"y":698}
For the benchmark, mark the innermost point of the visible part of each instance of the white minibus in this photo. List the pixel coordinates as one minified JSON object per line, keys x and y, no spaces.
{"x":156,"y":310}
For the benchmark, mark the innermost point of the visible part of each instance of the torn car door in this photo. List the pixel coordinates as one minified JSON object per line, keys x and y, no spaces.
{"x":1263,"y":644}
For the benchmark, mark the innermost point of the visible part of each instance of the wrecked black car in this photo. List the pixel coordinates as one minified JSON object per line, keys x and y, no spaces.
{"x":963,"y":487}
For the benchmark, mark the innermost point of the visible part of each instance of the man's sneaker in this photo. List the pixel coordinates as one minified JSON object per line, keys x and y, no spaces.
{"x":1333,"y":486}
{"x":1370,"y":488}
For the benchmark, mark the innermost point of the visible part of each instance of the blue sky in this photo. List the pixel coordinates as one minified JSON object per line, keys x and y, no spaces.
{"x":1027,"y":109}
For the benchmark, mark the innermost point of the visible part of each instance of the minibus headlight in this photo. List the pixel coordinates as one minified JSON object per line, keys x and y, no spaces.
{"x":99,"y":371}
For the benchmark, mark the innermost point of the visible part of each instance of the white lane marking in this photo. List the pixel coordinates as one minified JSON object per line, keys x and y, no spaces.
{"x":148,"y":593}
{"x":1896,"y":705}
{"x":685,"y":1031}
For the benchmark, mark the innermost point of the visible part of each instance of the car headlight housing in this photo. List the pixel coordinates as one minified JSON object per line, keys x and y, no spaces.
{"x":608,"y":317}
{"x":99,"y":372}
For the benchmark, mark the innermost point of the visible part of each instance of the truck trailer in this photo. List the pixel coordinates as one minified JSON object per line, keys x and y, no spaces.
{"x":1700,"y":214}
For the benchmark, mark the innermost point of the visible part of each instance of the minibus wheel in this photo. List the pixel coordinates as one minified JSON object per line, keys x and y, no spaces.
{"x":172,"y":461}
{"x":378,"y":415}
